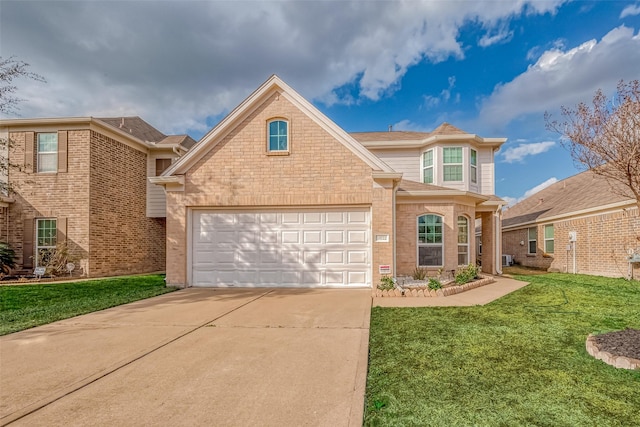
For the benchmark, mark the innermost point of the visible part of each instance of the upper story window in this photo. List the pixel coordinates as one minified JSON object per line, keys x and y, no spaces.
{"x":548,"y":239}
{"x":452,"y":163}
{"x":427,"y":167}
{"x":162,"y":165}
{"x":473,"y":163}
{"x":47,"y":152}
{"x":532,"y":236}
{"x":430,"y":240}
{"x":278,"y":136}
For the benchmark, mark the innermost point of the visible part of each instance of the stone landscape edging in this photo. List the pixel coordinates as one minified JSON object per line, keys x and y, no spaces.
{"x":621,"y":362}
{"x":444,"y":292}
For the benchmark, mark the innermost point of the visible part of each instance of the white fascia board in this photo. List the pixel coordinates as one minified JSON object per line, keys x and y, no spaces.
{"x":274,"y":83}
{"x":461,"y":138}
{"x":442,"y":193}
{"x":75,"y":123}
{"x":167,"y":180}
{"x":334,"y":130}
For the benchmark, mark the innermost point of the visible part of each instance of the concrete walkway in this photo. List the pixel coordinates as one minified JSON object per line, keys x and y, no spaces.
{"x":195,"y":357}
{"x":478,"y":296}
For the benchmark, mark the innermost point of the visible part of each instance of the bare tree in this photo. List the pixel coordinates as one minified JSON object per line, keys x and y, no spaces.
{"x":10,"y":70}
{"x":604,"y":137}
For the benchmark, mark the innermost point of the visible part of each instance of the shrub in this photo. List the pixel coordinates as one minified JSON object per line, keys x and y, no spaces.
{"x":387,"y":283}
{"x":55,"y":260}
{"x":7,"y":258}
{"x":434,"y":284}
{"x":466,"y":274}
{"x":420,"y":273}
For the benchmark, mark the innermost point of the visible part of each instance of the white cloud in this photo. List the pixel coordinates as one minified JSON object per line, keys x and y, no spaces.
{"x":443,"y":97}
{"x":504,"y":35}
{"x":631,"y":10}
{"x":177,"y":64}
{"x":517,"y":154}
{"x":513,"y":200}
{"x":566,"y":77}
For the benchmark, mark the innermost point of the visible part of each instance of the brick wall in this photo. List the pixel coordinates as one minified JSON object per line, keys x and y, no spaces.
{"x":238,"y":172}
{"x":57,"y":195}
{"x":123,"y":240}
{"x":407,"y":234}
{"x":601,"y":247}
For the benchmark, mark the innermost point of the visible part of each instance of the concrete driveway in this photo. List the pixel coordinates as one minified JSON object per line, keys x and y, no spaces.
{"x":195,"y":357}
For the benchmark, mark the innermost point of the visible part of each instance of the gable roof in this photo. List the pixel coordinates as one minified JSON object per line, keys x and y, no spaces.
{"x":274,"y":84}
{"x":407,"y":139}
{"x":579,"y":193}
{"x":136,"y":127}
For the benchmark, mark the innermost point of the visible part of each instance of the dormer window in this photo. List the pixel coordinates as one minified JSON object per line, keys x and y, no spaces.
{"x":427,"y":167}
{"x":452,"y":163}
{"x":278,"y":136}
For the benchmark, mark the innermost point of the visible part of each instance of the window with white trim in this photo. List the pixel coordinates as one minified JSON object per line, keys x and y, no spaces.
{"x":452,"y":163}
{"x":47,"y":152}
{"x":278,"y":136}
{"x":427,"y":167}
{"x":548,"y":239}
{"x":430,"y":241}
{"x":463,"y":240}
{"x":473,"y":163}
{"x":532,"y":238}
{"x":46,"y":239}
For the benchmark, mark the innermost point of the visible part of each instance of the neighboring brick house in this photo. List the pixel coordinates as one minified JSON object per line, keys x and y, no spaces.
{"x":83,"y":181}
{"x":577,"y":225}
{"x":279,"y":195}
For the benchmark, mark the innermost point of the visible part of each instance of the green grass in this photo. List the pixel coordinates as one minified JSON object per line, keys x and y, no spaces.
{"x":519,"y":361}
{"x":26,"y":306}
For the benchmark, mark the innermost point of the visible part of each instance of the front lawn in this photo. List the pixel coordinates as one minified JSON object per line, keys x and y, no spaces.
{"x":519,"y":361}
{"x":26,"y":306}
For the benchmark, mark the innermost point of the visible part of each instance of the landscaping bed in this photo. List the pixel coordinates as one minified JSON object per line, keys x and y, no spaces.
{"x":416,"y":288}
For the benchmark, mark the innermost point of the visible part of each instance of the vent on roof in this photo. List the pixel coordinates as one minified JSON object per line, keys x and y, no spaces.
{"x":390,"y":128}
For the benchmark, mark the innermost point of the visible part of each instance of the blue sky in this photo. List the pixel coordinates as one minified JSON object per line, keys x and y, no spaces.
{"x":488,"y":67}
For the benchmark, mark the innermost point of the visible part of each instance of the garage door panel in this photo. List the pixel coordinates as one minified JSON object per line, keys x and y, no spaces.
{"x":357,"y":237}
{"x":305,"y":248}
{"x":310,"y":237}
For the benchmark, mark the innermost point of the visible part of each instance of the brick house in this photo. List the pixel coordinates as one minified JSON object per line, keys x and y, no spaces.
{"x":83,"y":181}
{"x":279,"y":195}
{"x":577,"y":225}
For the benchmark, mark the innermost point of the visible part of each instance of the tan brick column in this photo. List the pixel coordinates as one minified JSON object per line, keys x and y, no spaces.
{"x":382,"y":223}
{"x":488,"y":243}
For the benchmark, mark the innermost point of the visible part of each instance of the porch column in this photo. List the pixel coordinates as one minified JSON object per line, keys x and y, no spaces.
{"x":489,"y":244}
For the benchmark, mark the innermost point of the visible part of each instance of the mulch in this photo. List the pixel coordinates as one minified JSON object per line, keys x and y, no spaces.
{"x":620,"y":343}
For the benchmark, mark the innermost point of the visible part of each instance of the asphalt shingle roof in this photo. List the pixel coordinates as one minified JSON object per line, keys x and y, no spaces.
{"x":443,"y":129}
{"x":585,"y":190}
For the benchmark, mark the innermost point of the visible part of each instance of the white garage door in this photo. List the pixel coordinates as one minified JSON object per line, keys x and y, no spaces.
{"x":301,"y":249}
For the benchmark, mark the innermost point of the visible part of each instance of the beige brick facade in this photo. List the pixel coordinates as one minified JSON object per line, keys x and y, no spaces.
{"x":99,"y":203}
{"x":239,"y":173}
{"x":601,"y":247}
{"x":407,"y":234}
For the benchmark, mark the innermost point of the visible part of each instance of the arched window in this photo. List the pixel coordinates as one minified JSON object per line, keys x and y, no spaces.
{"x":430,"y":241}
{"x":463,"y":240}
{"x":278,"y":135}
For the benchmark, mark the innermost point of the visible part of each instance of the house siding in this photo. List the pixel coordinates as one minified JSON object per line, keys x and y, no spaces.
{"x":407,"y":161}
{"x":601,"y":247}
{"x":156,"y":200}
{"x":237,"y":172}
{"x":123,"y":239}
